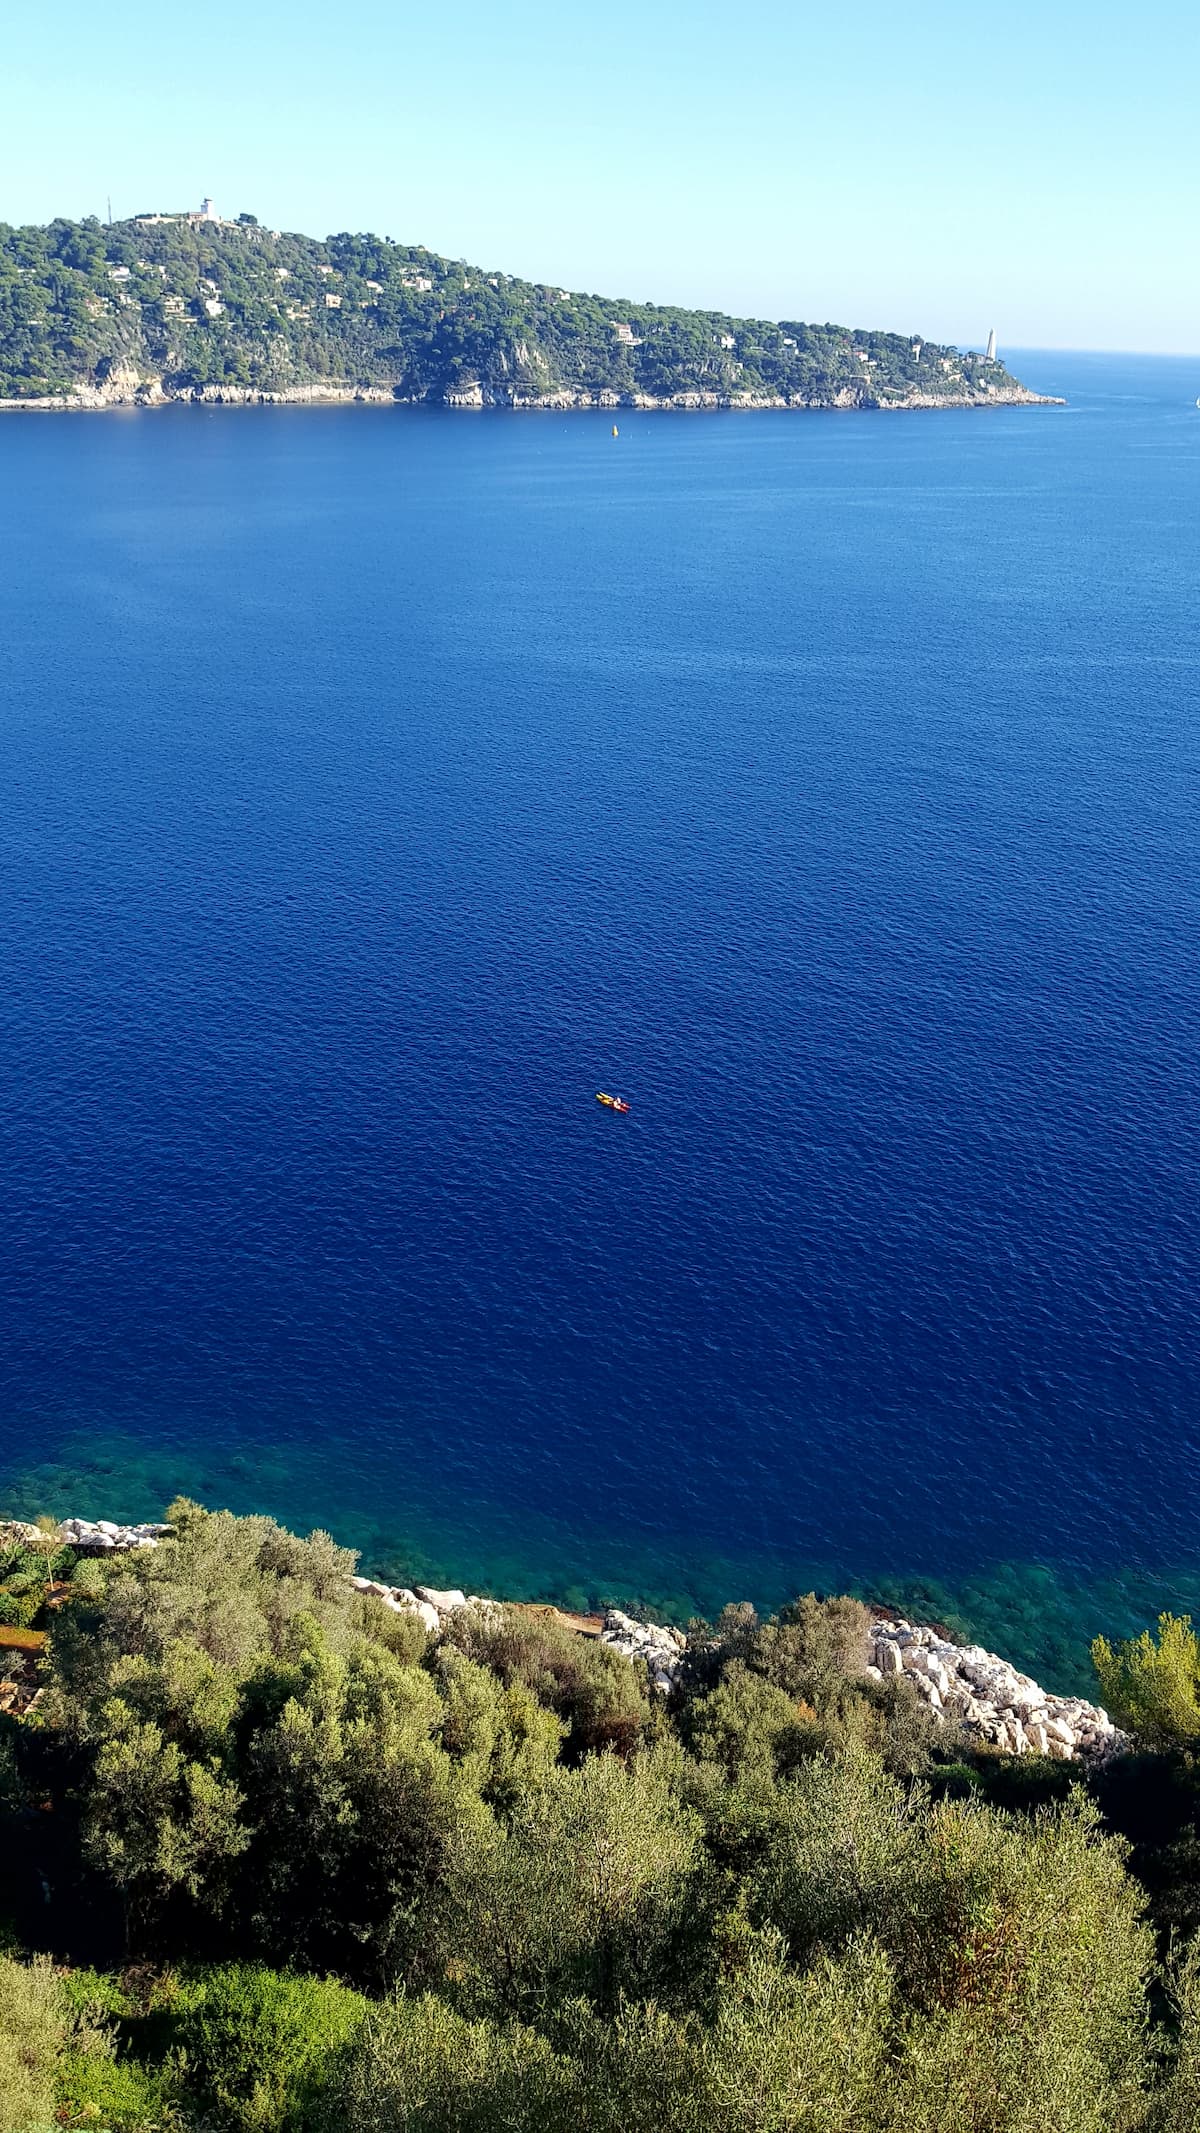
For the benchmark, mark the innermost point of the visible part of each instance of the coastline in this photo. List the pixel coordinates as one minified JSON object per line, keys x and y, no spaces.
{"x":152,"y":394}
{"x":988,"y":1699}
{"x":1042,"y":1613}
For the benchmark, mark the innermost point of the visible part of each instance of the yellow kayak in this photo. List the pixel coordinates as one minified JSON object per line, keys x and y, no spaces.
{"x":615,"y":1103}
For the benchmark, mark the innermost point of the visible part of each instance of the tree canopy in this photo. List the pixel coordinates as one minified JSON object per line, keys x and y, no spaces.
{"x":274,"y":1860}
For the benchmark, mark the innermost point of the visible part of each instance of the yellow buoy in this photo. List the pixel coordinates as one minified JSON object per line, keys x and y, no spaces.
{"x":616,"y":431}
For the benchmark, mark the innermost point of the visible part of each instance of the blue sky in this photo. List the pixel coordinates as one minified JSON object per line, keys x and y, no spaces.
{"x":941,"y":168}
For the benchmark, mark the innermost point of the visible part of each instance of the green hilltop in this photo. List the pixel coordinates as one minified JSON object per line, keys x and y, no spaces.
{"x":187,"y":306}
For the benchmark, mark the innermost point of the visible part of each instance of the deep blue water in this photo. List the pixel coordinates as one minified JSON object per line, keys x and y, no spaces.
{"x":378,"y":785}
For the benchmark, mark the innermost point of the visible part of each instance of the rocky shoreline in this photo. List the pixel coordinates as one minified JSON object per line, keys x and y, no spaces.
{"x":988,"y":1698}
{"x":126,"y":390}
{"x":964,"y":1685}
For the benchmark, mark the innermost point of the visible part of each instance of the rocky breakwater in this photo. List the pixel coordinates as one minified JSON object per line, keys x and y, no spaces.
{"x":432,"y":1605}
{"x":658,"y":1647}
{"x":100,"y":1536}
{"x":988,"y":1698}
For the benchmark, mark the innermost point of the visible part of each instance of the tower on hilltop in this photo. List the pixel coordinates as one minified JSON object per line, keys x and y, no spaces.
{"x":990,"y":357}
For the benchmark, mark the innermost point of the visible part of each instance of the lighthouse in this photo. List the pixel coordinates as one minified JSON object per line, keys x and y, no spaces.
{"x":990,"y":357}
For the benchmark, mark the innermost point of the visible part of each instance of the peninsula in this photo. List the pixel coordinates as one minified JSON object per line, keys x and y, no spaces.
{"x":192,"y":306}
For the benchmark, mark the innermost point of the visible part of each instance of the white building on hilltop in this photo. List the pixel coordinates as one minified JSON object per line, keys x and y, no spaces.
{"x":206,"y":212}
{"x":990,"y":357}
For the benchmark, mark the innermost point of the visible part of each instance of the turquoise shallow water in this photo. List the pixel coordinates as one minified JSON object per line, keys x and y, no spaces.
{"x":379,"y":785}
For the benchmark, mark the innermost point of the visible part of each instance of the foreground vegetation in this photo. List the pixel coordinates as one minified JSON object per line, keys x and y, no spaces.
{"x":181,"y":307}
{"x":275,"y":1863}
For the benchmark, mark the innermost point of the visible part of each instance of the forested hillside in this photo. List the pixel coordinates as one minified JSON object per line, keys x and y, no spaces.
{"x":275,"y":1859}
{"x":185,"y":306}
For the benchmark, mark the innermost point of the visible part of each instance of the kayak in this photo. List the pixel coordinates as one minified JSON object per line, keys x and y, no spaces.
{"x":615,"y":1103}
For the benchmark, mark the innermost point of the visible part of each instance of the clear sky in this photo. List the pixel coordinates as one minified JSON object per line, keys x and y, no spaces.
{"x":938,"y":168}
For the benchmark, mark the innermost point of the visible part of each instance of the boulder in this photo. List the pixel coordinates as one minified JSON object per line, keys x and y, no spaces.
{"x":105,"y":1535}
{"x":404,"y":1602}
{"x":16,"y":1532}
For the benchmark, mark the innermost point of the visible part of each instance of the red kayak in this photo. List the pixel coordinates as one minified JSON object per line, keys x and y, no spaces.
{"x":615,"y":1103}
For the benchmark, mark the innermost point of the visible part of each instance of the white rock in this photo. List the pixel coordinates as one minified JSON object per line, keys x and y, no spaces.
{"x":407,"y":1603}
{"x":446,"y":1602}
{"x":1030,"y":1705}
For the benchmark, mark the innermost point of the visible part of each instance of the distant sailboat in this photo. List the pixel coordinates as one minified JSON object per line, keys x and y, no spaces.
{"x":616,"y":431}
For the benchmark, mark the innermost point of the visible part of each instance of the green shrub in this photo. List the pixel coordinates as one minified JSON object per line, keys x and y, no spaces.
{"x":416,"y":2067}
{"x":22,"y":1562}
{"x":744,"y":1723}
{"x":95,"y":2089}
{"x":158,"y":1677}
{"x":1176,"y":2109}
{"x":814,"y":1654}
{"x":784,"y":2052}
{"x":1152,"y":1685}
{"x":257,"y":2044}
{"x":20,"y":1610}
{"x":581,"y":1893}
{"x":812,"y":1646}
{"x":97,"y":1996}
{"x":58,"y":2065}
{"x":503,"y":1740}
{"x":33,"y":2027}
{"x":596,"y":1692}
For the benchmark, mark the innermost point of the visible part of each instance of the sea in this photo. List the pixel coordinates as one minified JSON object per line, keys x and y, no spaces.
{"x":378,"y":785}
